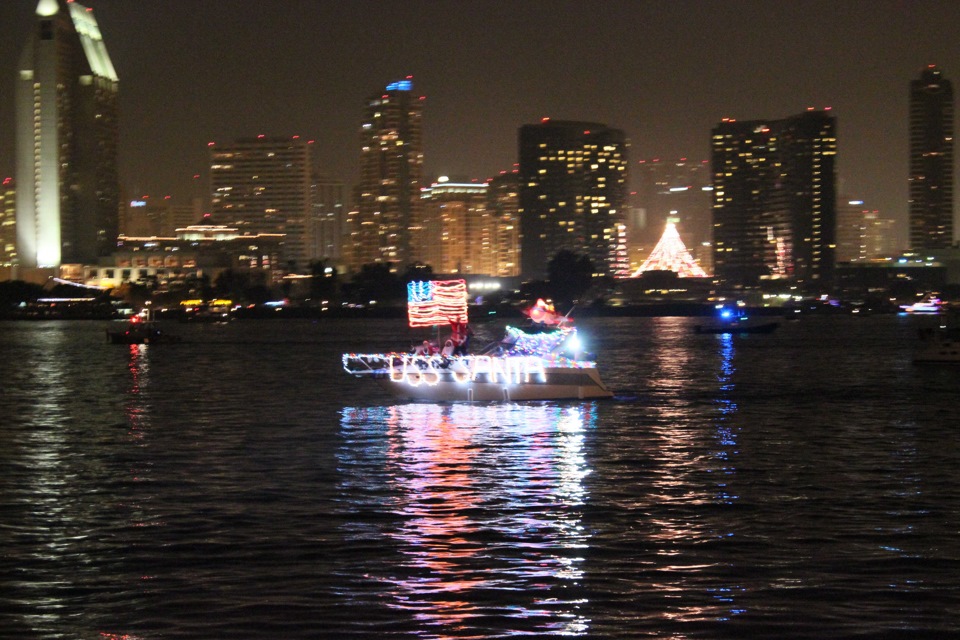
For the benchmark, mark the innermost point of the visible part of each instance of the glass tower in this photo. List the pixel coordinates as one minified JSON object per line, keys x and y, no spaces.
{"x":931,"y":161}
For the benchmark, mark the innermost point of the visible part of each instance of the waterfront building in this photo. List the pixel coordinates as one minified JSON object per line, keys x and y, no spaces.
{"x":329,"y":217}
{"x":455,"y":233}
{"x":66,"y":140}
{"x":573,"y":195}
{"x":8,"y":223}
{"x":932,"y":221}
{"x":503,"y":203}
{"x":774,"y":199}
{"x":264,"y":185}
{"x":387,"y":199}
{"x":192,"y":253}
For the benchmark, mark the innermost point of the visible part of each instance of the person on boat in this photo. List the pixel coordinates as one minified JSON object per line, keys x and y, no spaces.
{"x":460,"y":336}
{"x":448,"y":349}
{"x":425,"y":348}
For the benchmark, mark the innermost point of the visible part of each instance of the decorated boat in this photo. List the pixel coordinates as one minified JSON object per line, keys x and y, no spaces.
{"x":928,"y":304}
{"x":542,"y":361}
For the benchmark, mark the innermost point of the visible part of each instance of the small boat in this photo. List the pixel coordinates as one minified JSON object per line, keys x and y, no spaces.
{"x":729,"y":321}
{"x":140,"y":329}
{"x":928,"y":304}
{"x":939,"y":344}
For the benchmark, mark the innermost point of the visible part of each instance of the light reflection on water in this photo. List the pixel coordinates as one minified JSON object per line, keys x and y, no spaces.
{"x":797,"y":485}
{"x":489,"y":503}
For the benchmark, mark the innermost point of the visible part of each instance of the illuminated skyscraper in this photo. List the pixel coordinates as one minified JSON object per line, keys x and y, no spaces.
{"x":66,"y":121}
{"x":458,"y":232}
{"x":328,"y":216}
{"x":931,"y":161}
{"x":265,"y":185}
{"x":774,"y":198}
{"x":851,"y":230}
{"x":572,"y":195}
{"x":503,"y":203}
{"x":8,"y":223}
{"x":387,"y":199}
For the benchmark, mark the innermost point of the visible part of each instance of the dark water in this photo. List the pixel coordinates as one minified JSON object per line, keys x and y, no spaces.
{"x":804,"y":484}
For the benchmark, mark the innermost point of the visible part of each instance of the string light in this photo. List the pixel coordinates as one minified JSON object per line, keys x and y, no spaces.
{"x":434,"y":302}
{"x":671,"y":254}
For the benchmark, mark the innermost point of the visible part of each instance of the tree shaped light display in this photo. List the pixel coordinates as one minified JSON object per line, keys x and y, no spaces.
{"x":670,"y":254}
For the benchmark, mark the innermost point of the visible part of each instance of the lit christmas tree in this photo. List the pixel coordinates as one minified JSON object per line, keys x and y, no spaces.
{"x":670,"y":254}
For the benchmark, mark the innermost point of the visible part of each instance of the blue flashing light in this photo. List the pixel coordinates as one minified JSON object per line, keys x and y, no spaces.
{"x":726,"y":313}
{"x":400,"y":85}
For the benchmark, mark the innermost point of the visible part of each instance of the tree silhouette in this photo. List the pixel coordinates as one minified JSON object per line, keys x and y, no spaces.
{"x":570,"y":276}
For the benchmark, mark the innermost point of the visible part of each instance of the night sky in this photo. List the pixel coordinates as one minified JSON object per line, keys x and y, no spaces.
{"x":194,"y":71}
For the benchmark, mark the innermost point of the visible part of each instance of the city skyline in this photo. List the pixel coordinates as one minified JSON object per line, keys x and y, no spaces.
{"x":665,"y":73}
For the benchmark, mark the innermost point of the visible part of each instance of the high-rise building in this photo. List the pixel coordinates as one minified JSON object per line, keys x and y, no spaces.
{"x":880,"y":237}
{"x":503,"y":203}
{"x":66,"y":133}
{"x":774,"y":198}
{"x":573,"y":195}
{"x":329,"y":217}
{"x":387,"y":198}
{"x":457,"y":233}
{"x":8,"y":223}
{"x":931,"y":161}
{"x":851,"y":230}
{"x":265,"y":185}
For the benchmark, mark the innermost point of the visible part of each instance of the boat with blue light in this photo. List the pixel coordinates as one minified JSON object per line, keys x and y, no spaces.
{"x":736,"y":322}
{"x":543,"y":361}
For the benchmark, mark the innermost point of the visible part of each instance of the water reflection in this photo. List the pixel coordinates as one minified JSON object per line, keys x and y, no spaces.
{"x":136,"y":409}
{"x":693,"y":438}
{"x":488,"y":508}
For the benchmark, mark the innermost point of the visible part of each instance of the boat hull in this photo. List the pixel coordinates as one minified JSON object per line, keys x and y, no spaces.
{"x":555,"y":384}
{"x":140,"y":337}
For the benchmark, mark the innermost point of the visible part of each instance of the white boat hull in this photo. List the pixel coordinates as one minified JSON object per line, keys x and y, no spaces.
{"x":556,"y":384}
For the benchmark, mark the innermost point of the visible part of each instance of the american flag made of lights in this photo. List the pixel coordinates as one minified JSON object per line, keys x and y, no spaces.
{"x":433,"y":302}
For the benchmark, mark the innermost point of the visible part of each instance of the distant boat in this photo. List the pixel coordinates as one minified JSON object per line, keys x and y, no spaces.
{"x":729,"y":321}
{"x":929,"y":304}
{"x":140,"y":329}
